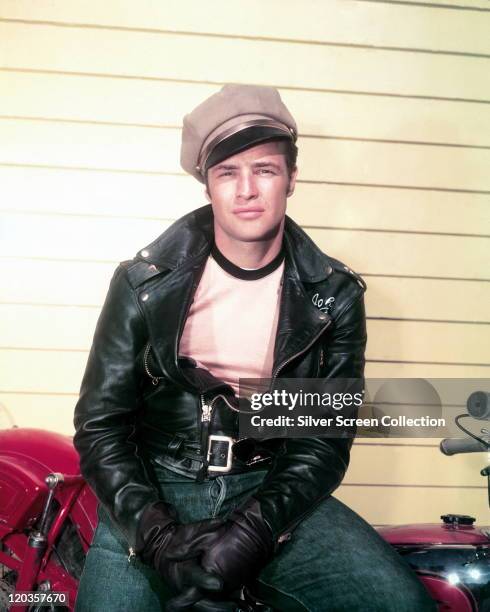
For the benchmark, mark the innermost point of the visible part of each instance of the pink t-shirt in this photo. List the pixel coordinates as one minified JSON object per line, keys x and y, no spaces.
{"x":231,"y":326}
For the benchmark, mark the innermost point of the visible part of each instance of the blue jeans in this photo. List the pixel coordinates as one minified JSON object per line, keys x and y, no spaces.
{"x":335,"y":561}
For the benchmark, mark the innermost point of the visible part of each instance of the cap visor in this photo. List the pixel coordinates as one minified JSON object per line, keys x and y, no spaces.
{"x":246,"y":138}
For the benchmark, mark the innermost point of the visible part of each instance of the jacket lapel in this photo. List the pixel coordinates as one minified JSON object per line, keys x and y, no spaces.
{"x":169,"y":299}
{"x":300,"y":322}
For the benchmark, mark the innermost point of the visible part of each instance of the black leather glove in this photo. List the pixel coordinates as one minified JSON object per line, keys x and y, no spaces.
{"x":198,"y":601}
{"x":237,"y":556}
{"x":174,"y":549}
{"x":244,"y":548}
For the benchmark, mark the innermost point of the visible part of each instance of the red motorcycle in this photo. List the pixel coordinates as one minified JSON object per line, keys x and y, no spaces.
{"x":48,"y":518}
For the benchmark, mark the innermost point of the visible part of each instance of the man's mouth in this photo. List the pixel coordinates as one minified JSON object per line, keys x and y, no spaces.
{"x":248,"y":212}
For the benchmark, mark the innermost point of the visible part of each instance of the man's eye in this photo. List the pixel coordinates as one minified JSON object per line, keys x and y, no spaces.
{"x":265,"y":171}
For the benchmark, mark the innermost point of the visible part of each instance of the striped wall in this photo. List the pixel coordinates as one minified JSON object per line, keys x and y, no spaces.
{"x":392,"y":99}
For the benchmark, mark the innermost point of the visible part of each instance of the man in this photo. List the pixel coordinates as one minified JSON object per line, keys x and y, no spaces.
{"x":227,"y":292}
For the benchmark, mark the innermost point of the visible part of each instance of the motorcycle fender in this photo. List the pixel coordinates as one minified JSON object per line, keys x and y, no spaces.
{"x":22,"y":494}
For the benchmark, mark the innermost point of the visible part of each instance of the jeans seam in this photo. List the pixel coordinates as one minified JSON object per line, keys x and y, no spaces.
{"x":221,"y":496}
{"x":275,"y":588}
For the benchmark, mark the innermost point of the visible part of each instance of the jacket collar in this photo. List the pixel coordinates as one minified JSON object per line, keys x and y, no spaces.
{"x":190,"y":238}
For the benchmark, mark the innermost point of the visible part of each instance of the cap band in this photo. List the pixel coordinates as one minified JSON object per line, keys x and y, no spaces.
{"x":274,"y":129}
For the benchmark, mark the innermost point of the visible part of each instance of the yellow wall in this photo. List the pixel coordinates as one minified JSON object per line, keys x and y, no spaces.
{"x":393,"y":106}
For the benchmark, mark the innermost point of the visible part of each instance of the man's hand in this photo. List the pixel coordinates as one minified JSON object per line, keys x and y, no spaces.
{"x":243,"y":550}
{"x":236,"y":557}
{"x":174,"y":549}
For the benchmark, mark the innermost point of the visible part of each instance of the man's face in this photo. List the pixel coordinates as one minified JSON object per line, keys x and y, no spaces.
{"x":248,"y":193}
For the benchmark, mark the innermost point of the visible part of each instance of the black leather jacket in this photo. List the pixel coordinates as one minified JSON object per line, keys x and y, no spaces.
{"x":140,"y":402}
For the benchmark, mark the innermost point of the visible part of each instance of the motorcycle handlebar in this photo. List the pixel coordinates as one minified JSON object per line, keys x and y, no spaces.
{"x":453,"y":446}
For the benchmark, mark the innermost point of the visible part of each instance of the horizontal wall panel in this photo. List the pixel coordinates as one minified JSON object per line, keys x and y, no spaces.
{"x":409,"y":443}
{"x":390,"y":209}
{"x":464,"y":6}
{"x":394,"y":164}
{"x":401,"y":465}
{"x":85,"y":98}
{"x":46,"y":47}
{"x":113,"y":240}
{"x":109,"y":147}
{"x":41,"y":371}
{"x":394,"y":505}
{"x":169,"y":197}
{"x":381,"y":253}
{"x":99,"y":193}
{"x":424,"y":369}
{"x":86,"y":238}
{"x":335,"y":21}
{"x":131,"y":148}
{"x":412,"y":298}
{"x":54,"y":282}
{"x":415,"y":341}
{"x":142,"y":149}
{"x":51,"y":412}
{"x":85,"y":284}
{"x":48,"y":327}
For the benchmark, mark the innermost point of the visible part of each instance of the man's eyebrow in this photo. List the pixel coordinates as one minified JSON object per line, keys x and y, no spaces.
{"x":265,"y":163}
{"x":224,"y":167}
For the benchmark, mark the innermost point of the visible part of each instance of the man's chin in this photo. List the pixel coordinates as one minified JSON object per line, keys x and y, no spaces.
{"x":253,"y":232}
{"x":256,"y":236}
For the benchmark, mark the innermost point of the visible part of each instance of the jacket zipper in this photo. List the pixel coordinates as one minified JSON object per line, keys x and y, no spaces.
{"x":206,"y":410}
{"x":312,"y":342}
{"x":206,"y":415}
{"x":286,"y":534}
{"x":154,"y":379}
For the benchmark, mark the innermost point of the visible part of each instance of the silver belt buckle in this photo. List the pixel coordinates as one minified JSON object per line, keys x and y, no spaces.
{"x":219,"y":455}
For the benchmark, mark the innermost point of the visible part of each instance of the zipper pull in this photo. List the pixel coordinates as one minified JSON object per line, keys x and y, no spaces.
{"x":154,"y":379}
{"x":321,"y":358}
{"x":206,"y":411}
{"x":205,"y":420}
{"x":131,"y":555}
{"x":284,"y":537}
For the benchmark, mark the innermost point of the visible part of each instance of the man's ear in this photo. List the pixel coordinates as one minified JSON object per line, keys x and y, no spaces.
{"x":292,"y":182}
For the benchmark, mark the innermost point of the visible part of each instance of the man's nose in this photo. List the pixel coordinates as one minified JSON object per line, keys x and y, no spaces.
{"x":247,"y":186}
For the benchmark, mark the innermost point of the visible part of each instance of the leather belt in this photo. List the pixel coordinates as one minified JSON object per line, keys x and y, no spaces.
{"x":220,"y":457}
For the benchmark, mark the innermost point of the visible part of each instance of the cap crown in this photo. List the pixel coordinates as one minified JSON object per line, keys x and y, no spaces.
{"x":230,"y":107}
